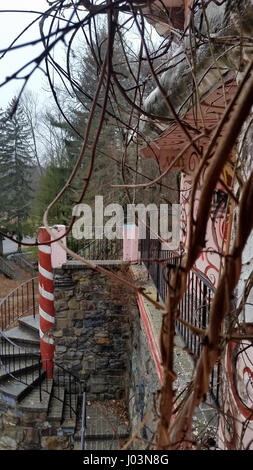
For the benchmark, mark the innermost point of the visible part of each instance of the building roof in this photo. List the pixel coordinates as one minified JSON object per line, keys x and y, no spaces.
{"x":173,"y":141}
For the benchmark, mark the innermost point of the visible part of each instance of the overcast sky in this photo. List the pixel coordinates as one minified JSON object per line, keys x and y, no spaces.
{"x":12,"y":24}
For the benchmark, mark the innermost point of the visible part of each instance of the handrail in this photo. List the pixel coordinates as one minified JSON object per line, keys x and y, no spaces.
{"x":72,"y":387}
{"x":23,"y":350}
{"x":16,"y":288}
{"x":203,"y":278}
{"x":102,"y":249}
{"x":194,"y":306}
{"x":18,"y":302}
{"x":83,"y":428}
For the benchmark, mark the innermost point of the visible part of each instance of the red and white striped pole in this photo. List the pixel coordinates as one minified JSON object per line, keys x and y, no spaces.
{"x":46,"y":305}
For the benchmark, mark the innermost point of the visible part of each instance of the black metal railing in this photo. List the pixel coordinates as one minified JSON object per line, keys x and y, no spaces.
{"x":83,"y":421}
{"x":24,"y":365}
{"x":195,"y":305}
{"x":19,"y":302}
{"x":102,"y":249}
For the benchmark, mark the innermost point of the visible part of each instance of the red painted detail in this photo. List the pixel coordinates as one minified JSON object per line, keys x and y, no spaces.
{"x":46,"y":349}
{"x":47,"y":284}
{"x":47,"y":355}
{"x":246,"y":412}
{"x":47,"y":305}
{"x":152,"y":343}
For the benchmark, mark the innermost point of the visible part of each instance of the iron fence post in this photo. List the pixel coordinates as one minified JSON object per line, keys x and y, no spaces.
{"x":83,"y":421}
{"x":33,"y":298}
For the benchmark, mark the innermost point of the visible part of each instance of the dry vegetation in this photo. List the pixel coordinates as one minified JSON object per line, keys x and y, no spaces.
{"x":176,"y":433}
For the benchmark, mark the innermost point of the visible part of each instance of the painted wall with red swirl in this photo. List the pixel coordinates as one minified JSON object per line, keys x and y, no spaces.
{"x":209,"y":260}
{"x":236,"y":424}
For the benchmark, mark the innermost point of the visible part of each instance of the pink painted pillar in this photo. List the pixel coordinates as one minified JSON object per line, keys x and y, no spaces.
{"x":130,"y":243}
{"x":59,"y":255}
{"x":46,"y":304}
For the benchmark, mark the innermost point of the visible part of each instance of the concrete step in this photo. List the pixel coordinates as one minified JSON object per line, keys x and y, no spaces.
{"x":22,"y":335}
{"x":36,"y":400}
{"x":9,"y":351}
{"x":17,"y":367}
{"x":13,"y":390}
{"x":56,"y":405}
{"x":30,"y":323}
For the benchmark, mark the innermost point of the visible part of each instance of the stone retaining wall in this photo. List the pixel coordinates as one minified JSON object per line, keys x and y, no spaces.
{"x":29,"y":430}
{"x":143,"y":386}
{"x":92,"y":329}
{"x":99,"y":335}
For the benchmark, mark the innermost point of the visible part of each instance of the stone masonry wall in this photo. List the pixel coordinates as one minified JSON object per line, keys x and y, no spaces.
{"x":92,"y":329}
{"x":99,"y":335}
{"x":29,"y":430}
{"x":143,"y":386}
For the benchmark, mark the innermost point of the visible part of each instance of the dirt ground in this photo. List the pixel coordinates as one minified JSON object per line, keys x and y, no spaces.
{"x":7,"y":285}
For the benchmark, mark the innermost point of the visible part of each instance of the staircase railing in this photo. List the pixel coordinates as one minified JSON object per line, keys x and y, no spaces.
{"x":18,"y":360}
{"x":83,"y":423}
{"x":21,"y":301}
{"x":102,"y":249}
{"x":195,"y":305}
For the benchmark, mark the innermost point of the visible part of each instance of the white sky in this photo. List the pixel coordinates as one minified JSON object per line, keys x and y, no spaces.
{"x":11,"y":24}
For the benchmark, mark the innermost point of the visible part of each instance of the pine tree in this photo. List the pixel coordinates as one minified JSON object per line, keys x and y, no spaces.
{"x":51,"y":182}
{"x":106,"y":171}
{"x":16,"y":163}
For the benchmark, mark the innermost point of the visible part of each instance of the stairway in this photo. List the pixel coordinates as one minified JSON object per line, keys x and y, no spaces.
{"x":23,"y":382}
{"x":25,"y":388}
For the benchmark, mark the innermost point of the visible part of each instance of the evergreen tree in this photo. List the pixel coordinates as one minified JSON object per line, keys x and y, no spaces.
{"x":106,"y":171}
{"x":16,"y":163}
{"x":51,"y":182}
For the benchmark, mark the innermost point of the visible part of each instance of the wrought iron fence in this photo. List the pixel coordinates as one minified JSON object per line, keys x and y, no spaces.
{"x":97,"y":249}
{"x":83,"y":423}
{"x":19,"y":302}
{"x":102,"y":249}
{"x":195,"y":305}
